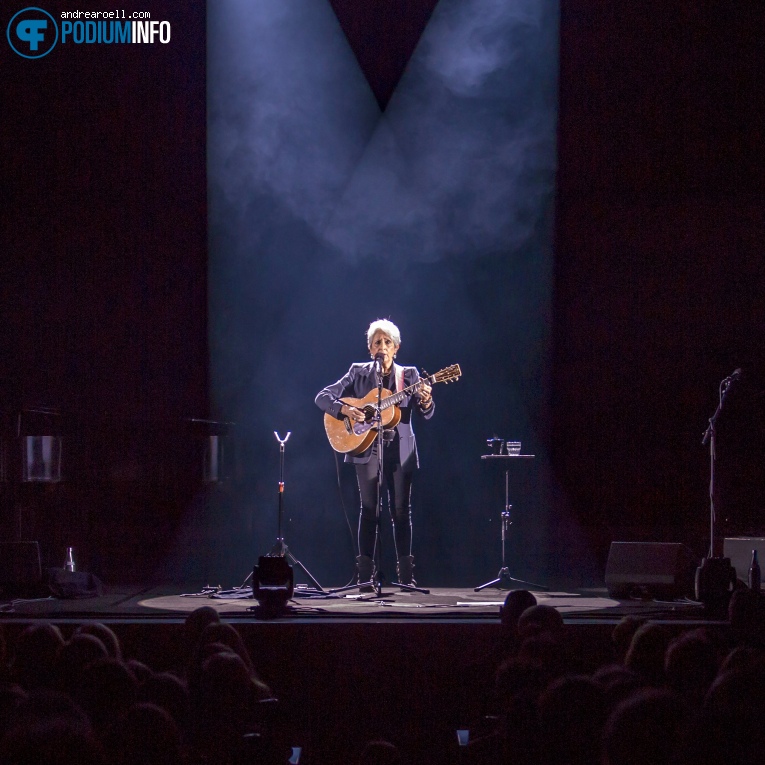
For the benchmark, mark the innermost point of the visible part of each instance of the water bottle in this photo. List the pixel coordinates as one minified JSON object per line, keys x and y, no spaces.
{"x":754,"y":573}
{"x":69,"y":565}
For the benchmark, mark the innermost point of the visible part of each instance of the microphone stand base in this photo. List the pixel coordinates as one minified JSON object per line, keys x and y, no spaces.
{"x":365,"y":588}
{"x":410,"y":588}
{"x":506,"y":582}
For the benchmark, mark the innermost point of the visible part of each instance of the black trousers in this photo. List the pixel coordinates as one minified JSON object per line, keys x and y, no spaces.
{"x":397,"y":486}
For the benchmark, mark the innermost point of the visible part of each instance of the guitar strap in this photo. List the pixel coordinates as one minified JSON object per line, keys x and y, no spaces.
{"x":399,"y":377}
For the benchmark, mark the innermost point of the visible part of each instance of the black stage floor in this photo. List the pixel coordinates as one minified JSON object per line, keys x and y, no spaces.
{"x":173,"y":603}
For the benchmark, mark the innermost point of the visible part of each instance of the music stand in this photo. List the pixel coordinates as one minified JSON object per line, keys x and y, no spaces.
{"x":503,"y":579}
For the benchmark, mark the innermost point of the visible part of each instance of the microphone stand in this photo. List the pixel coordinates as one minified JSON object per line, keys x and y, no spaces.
{"x":280,"y":549}
{"x":715,"y":577}
{"x":710,"y":437}
{"x":379,"y":576}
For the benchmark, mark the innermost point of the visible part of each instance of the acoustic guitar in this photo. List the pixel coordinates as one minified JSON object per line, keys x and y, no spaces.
{"x":349,"y":437}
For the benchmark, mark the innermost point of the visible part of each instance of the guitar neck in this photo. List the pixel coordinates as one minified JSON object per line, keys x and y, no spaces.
{"x":397,"y":398}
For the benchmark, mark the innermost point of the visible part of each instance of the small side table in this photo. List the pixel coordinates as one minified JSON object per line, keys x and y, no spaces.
{"x":503,"y":580}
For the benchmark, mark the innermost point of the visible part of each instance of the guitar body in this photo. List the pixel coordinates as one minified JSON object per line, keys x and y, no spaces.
{"x":349,"y":437}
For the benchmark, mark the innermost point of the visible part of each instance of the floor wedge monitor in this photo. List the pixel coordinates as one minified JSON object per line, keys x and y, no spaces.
{"x":659,"y":570}
{"x":20,"y":569}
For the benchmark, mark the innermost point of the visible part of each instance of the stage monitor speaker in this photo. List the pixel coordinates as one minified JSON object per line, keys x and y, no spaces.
{"x":739,"y":550}
{"x":20,"y":569}
{"x":659,"y":570}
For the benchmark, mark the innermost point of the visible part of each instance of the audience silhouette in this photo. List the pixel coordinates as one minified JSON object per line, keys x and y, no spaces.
{"x":666,"y":696}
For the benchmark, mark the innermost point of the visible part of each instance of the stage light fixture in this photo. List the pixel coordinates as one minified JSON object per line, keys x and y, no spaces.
{"x":273,"y":582}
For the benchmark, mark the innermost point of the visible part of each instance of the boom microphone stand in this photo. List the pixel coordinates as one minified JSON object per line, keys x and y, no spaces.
{"x":715,"y":577}
{"x":709,"y":436}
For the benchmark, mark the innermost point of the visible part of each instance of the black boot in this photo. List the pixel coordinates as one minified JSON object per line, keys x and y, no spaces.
{"x":366,"y":568}
{"x":404,"y":570}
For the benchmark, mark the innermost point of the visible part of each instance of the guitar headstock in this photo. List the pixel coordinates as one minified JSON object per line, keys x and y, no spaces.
{"x":449,"y":374}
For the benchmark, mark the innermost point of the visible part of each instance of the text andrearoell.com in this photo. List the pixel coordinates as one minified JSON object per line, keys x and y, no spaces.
{"x":117,"y":14}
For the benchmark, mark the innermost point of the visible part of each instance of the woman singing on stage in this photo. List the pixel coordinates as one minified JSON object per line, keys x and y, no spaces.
{"x":399,"y":450}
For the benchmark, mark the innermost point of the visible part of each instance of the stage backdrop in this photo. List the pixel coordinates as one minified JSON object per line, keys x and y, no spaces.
{"x":328,"y":210}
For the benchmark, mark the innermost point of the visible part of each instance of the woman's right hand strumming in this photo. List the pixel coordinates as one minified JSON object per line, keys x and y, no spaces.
{"x":352,"y":412}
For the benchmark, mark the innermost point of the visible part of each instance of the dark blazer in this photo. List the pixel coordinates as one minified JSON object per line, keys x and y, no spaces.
{"x":356,"y":383}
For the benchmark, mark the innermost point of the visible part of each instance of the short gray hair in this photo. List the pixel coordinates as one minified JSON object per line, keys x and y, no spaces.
{"x":385,"y":326}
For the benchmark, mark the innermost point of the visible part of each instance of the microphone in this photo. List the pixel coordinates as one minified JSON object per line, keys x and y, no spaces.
{"x":379,"y":360}
{"x":735,"y":375}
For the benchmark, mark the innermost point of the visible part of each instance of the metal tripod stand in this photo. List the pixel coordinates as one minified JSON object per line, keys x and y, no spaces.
{"x":503,"y":580}
{"x":280,"y":549}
